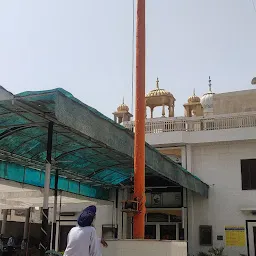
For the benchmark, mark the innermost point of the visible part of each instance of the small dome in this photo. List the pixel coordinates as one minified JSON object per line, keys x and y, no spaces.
{"x":193,"y":98}
{"x":207,"y":99}
{"x":123,"y":107}
{"x":158,"y":91}
{"x":253,"y":81}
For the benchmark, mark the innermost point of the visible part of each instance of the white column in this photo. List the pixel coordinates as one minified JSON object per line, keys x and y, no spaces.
{"x":183,"y":157}
{"x":45,"y":211}
{"x":122,"y":217}
{"x":191,"y":230}
{"x":189,"y":158}
{"x":185,"y":163}
{"x":185,"y":215}
{"x":57,"y":236}
{"x":4,"y":221}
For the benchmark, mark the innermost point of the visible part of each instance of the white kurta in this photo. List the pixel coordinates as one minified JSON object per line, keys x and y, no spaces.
{"x":83,"y":241}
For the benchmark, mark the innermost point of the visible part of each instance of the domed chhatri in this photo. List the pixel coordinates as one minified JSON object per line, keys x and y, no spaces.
{"x":122,"y":114}
{"x":193,"y":107}
{"x":207,"y":100}
{"x":158,"y":92}
{"x":160,"y":98}
{"x":123,"y":107}
{"x":253,"y":82}
{"x":193,"y":98}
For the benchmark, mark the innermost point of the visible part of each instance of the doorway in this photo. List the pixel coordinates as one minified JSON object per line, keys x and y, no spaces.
{"x":251,"y":238}
{"x":164,"y":231}
{"x":168,"y":232}
{"x":64,"y":230}
{"x":150,"y":231}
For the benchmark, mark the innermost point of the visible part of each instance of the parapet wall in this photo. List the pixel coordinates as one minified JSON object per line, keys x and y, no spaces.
{"x":145,"y":248}
{"x":234,"y":102}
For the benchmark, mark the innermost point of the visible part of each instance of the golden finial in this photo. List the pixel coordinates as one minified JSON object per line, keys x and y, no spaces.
{"x":157,"y":83}
{"x":210,"y":84}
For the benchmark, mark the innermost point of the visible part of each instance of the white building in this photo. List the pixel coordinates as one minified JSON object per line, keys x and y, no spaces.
{"x":216,"y":141}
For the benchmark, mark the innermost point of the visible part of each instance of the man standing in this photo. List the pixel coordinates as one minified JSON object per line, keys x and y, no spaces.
{"x":10,"y":245}
{"x":82,"y":240}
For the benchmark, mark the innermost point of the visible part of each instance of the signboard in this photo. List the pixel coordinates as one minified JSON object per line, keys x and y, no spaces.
{"x":235,"y":235}
{"x":163,"y":200}
{"x":219,"y":238}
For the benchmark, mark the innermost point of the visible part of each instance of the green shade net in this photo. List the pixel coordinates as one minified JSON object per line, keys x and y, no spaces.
{"x":92,"y":152}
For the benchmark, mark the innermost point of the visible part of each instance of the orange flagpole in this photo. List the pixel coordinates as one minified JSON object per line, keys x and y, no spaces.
{"x":139,"y":141}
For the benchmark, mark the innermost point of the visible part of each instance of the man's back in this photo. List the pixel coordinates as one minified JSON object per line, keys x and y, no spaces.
{"x":10,"y":242}
{"x":82,"y":241}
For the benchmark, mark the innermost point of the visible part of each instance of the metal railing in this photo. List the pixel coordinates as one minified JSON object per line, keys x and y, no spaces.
{"x":192,"y":124}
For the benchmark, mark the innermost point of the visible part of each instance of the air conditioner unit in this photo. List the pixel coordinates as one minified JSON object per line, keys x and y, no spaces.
{"x":131,"y":207}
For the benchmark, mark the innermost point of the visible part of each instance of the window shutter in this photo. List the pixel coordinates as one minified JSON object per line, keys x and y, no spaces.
{"x":252,"y":168}
{"x":246,"y":177}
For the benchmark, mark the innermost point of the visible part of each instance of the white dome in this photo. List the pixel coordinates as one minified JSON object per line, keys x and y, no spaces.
{"x":207,"y":100}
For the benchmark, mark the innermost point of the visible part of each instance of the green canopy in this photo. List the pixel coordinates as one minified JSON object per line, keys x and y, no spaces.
{"x":92,"y":152}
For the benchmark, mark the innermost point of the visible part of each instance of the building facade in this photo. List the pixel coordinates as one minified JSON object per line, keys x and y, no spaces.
{"x":216,"y":141}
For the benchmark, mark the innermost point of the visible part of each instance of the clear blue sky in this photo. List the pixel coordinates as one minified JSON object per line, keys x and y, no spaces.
{"x":84,"y":46}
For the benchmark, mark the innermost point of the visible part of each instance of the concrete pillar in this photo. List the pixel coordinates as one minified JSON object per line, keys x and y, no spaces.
{"x":185,"y":214}
{"x":188,"y":210}
{"x":191,"y":228}
{"x":44,"y":242}
{"x":57,"y":236}
{"x":185,"y":195}
{"x":122,"y":226}
{"x":4,"y":221}
{"x":122,"y":217}
{"x":189,"y":158}
{"x":183,"y":157}
{"x":177,"y":231}
{"x":26,"y":223}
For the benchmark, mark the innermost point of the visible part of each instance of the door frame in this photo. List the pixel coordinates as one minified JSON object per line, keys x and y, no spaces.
{"x":177,"y":227}
{"x":158,"y":224}
{"x":247,"y":236}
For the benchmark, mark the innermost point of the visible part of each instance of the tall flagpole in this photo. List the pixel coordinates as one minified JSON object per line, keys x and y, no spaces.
{"x":139,"y":141}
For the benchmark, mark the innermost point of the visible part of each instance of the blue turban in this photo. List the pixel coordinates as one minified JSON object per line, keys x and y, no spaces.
{"x":87,"y":216}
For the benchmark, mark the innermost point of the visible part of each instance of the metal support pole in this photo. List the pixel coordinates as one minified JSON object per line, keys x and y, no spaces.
{"x":139,"y":141}
{"x":117,"y":226}
{"x":26,"y":224}
{"x":4,"y":222}
{"x":55,"y":208}
{"x":45,"y":212}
